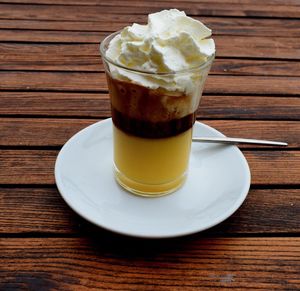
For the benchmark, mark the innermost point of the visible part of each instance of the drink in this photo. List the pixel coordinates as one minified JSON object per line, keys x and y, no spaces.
{"x":154,"y":165}
{"x":153,"y":114}
{"x":152,"y":149}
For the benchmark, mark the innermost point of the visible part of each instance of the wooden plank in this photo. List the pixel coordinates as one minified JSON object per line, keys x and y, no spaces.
{"x":24,"y":131}
{"x":236,"y":46}
{"x":264,"y":211}
{"x":36,"y":167}
{"x":98,"y":106}
{"x":55,"y":104}
{"x":27,"y":167}
{"x":87,"y":82}
{"x":51,"y":36}
{"x":220,"y":26}
{"x":104,"y":23}
{"x":37,"y":62}
{"x":34,"y":62}
{"x":272,"y":130}
{"x":227,"y":46}
{"x":217,"y":84}
{"x":42,"y":210}
{"x":249,"y":107}
{"x":251,"y":26}
{"x":34,"y":81}
{"x":99,"y":2}
{"x":255,"y":67}
{"x":274,"y":167}
{"x":49,"y":49}
{"x":264,"y":47}
{"x":117,"y":263}
{"x":39,"y":210}
{"x":81,"y":12}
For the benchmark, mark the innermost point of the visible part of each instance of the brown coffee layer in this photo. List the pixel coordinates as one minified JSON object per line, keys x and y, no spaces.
{"x":147,"y":129}
{"x":149,"y":113}
{"x":152,"y":105}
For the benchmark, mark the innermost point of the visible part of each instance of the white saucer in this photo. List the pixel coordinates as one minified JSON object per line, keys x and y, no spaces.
{"x":217,"y":184}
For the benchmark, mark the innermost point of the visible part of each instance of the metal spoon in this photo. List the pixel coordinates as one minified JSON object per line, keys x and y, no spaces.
{"x":232,"y":140}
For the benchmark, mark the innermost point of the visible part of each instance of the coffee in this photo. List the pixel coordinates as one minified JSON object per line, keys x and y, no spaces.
{"x":156,"y":74}
{"x":148,"y":113}
{"x":152,"y":136}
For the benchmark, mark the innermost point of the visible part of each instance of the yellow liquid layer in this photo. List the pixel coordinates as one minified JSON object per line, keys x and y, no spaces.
{"x":151,"y":167}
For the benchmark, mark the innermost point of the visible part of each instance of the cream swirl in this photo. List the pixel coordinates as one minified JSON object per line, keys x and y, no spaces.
{"x":170,"y":42}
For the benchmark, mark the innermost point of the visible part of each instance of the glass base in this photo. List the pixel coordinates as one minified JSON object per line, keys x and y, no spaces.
{"x":148,"y":190}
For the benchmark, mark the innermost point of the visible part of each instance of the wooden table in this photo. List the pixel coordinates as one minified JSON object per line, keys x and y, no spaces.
{"x":52,"y":85}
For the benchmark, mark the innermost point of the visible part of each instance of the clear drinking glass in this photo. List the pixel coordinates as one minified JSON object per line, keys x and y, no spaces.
{"x":152,"y":125}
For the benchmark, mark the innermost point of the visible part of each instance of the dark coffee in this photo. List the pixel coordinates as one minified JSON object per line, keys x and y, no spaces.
{"x":143,"y":128}
{"x":143,"y":112}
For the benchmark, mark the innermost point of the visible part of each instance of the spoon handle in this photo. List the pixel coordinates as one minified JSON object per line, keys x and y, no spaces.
{"x":232,"y":140}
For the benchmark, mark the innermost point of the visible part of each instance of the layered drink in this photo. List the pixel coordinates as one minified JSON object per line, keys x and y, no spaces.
{"x":156,"y":73}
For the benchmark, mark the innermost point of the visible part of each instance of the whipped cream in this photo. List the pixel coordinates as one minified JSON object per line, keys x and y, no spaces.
{"x":170,"y":42}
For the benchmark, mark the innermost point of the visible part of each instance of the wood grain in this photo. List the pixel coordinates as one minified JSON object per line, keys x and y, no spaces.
{"x":263,"y":47}
{"x":99,"y":2}
{"x":52,"y":36}
{"x":27,"y":166}
{"x":81,"y":12}
{"x":34,"y":62}
{"x":42,"y":210}
{"x":52,"y":84}
{"x":227,"y":46}
{"x":251,"y":26}
{"x":89,"y":82}
{"x":36,"y":167}
{"x":54,"y":132}
{"x":103,"y":24}
{"x":127,"y":264}
{"x":237,"y":46}
{"x":271,"y":130}
{"x":38,"y":211}
{"x":55,"y":104}
{"x":274,"y":167}
{"x":255,"y":67}
{"x":220,"y":26}
{"x":43,"y":50}
{"x":249,"y":107}
{"x":98,"y":105}
{"x":37,"y":62}
{"x":24,"y":131}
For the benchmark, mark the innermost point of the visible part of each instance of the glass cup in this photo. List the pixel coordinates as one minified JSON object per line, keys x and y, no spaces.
{"x":152,"y":124}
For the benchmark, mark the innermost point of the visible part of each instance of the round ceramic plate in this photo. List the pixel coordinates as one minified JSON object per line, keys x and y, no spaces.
{"x":217,"y":184}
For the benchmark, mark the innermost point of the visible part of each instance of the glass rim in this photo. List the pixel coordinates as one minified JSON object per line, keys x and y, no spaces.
{"x":202,"y":65}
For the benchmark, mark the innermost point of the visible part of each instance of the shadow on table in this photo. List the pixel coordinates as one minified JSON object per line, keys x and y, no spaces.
{"x":103,"y":241}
